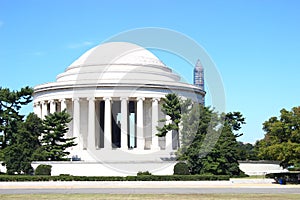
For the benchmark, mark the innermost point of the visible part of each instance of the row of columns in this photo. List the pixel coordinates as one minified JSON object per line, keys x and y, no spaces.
{"x":41,"y":109}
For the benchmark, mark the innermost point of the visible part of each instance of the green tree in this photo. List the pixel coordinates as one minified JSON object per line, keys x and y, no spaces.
{"x":194,"y":128}
{"x":18,"y":156}
{"x":247,"y":151}
{"x":282,"y":138}
{"x":173,"y":106}
{"x":170,"y":107}
{"x":206,"y":151}
{"x":10,"y":105}
{"x":54,"y":142}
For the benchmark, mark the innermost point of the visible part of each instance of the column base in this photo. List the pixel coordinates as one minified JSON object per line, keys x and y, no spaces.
{"x":124,"y":148}
{"x":155,"y":148}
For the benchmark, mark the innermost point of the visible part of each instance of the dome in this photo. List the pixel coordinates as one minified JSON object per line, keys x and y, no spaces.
{"x":118,"y":62}
{"x":117,"y":65}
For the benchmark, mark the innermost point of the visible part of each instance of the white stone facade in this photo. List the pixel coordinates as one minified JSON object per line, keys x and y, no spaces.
{"x":113,"y":93}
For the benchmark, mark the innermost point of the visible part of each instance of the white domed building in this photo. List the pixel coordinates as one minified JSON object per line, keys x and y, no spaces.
{"x":113,"y":93}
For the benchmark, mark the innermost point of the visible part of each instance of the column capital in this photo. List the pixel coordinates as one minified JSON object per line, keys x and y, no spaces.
{"x":63,"y":99}
{"x":155,"y":99}
{"x":124,"y":98}
{"x":75,"y":99}
{"x":36,"y":103}
{"x":63,"y":104}
{"x":52,"y":105}
{"x":107,"y":98}
{"x":44,"y":102}
{"x":140,"y":98}
{"x":91,"y":98}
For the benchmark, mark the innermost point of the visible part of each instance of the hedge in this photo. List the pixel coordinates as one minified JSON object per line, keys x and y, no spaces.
{"x":20,"y":178}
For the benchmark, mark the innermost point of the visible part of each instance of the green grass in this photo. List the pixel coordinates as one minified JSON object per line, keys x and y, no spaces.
{"x":253,"y":177}
{"x":149,"y":196}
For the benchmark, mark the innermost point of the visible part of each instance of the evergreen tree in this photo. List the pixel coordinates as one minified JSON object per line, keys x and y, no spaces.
{"x":206,"y":151}
{"x":54,"y":142}
{"x":173,"y":106}
{"x":247,"y":151}
{"x":170,"y":107}
{"x":10,"y":105}
{"x":18,"y":156}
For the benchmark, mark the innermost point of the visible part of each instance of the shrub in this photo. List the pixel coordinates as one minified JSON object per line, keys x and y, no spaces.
{"x":43,"y":170}
{"x":144,"y":173}
{"x":181,"y":168}
{"x":9,"y":178}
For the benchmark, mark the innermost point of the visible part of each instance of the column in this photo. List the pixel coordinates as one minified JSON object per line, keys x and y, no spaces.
{"x":124,"y":121}
{"x":52,"y":106}
{"x":44,"y":109}
{"x":155,"y":144}
{"x":91,"y":124}
{"x":107,"y":122}
{"x":76,"y":120}
{"x":63,"y":104}
{"x":140,"y":123}
{"x":168,"y":136}
{"x":37,"y":109}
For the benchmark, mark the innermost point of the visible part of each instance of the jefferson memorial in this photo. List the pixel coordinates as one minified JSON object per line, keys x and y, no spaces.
{"x":113,"y":93}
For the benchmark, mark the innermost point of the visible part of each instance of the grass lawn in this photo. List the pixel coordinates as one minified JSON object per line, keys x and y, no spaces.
{"x":150,"y":196}
{"x":253,"y":177}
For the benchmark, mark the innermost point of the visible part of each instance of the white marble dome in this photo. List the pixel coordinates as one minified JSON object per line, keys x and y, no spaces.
{"x":118,"y":62}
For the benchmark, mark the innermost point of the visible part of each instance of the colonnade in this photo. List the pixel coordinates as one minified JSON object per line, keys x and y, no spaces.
{"x":131,"y":118}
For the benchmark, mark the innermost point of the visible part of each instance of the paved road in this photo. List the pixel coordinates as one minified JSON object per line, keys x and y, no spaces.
{"x":217,"y":190}
{"x":149,"y":187}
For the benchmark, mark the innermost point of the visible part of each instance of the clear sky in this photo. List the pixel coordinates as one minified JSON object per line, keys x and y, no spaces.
{"x":254,"y":44}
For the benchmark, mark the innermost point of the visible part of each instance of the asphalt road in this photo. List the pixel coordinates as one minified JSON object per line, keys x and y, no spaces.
{"x":216,"y":190}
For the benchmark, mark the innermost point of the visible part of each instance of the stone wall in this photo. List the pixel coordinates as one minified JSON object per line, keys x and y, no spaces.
{"x":78,"y":168}
{"x":253,"y":168}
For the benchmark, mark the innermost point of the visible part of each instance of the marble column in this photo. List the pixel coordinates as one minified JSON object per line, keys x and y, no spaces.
{"x":76,"y":121}
{"x":140,"y":123}
{"x":91,"y":124}
{"x":52,"y":106}
{"x":155,"y":107}
{"x":37,"y":109}
{"x":124,"y":121}
{"x":107,"y":123}
{"x":44,"y":109}
{"x":63,"y":104}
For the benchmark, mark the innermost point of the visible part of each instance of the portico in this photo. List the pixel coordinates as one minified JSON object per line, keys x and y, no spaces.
{"x":110,"y":122}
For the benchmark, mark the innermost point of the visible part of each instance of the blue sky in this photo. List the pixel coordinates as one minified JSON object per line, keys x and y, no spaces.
{"x":254,"y":44}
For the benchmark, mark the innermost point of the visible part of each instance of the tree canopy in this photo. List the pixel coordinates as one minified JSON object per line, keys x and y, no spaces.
{"x":174,"y":107}
{"x":282,"y":138}
{"x":18,"y":155}
{"x":21,"y":141}
{"x":10,"y":105}
{"x":203,"y":148}
{"x":170,"y":107}
{"x":247,"y":151}
{"x":54,"y":142}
